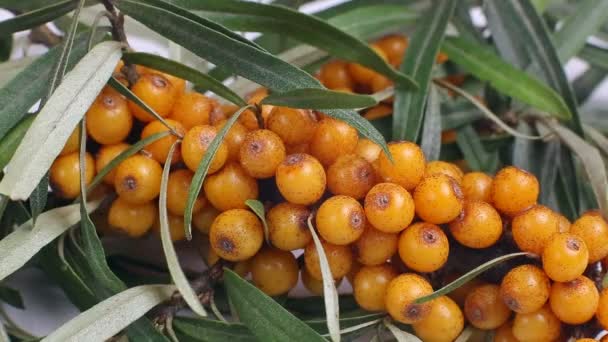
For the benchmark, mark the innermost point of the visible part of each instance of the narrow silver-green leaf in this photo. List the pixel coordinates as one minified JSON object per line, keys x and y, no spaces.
{"x":430,"y":142}
{"x":11,"y":141}
{"x":596,"y":56}
{"x":400,"y":335}
{"x":37,"y":17}
{"x":474,"y":152}
{"x":320,"y":99}
{"x":371,"y":20}
{"x":39,"y":196}
{"x":6,"y":47}
{"x":258,"y":208}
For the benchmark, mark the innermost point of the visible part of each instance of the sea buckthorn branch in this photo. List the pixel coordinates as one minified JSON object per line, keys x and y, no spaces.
{"x":117,"y":20}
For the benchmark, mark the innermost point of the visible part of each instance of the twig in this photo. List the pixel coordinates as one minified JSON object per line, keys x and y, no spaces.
{"x":117,"y":20}
{"x":45,"y":36}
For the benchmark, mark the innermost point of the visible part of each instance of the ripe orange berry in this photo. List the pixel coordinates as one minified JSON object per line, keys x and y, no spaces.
{"x":369,"y":286}
{"x":157,"y":92}
{"x":64,"y":175}
{"x":525,"y":289}
{"x":389,"y":207}
{"x":361,"y":74}
{"x":485,"y":309}
{"x":505,"y":333}
{"x":236,"y":234}
{"x":460,"y":294}
{"x":203,"y":219}
{"x":394,"y":47}
{"x":178,"y":187}
{"x":137,"y":179}
{"x":563,"y":224}
{"x":541,"y":325}
{"x":159,"y":150}
{"x":476,"y":186}
{"x":301,"y":148}
{"x":105,"y":155}
{"x":176,"y":227}
{"x":248,"y":118}
{"x":375,"y":247}
{"x":195,"y":145}
{"x":380,"y":82}
{"x":109,"y":119}
{"x":73,"y":143}
{"x":533,"y":228}
{"x":230,"y":187}
{"x":423,"y":247}
{"x":514,"y":190}
{"x":243,"y":268}
{"x":335,"y":75}
{"x":585,"y":340}
{"x":479,"y":225}
{"x":401,"y":293}
{"x":378,"y":111}
{"x":192,"y":109}
{"x":339,"y":257}
{"x":293,"y":126}
{"x":288,"y":226}
{"x":440,"y":167}
{"x":233,"y":139}
{"x":565,"y":257}
{"x":134,"y":220}
{"x":438,"y":199}
{"x":332,"y":139}
{"x":443,"y":324}
{"x":368,"y":150}
{"x":340,"y":220}
{"x":593,"y":229}
{"x":261,"y":153}
{"x":274,"y":271}
{"x":301,"y":179}
{"x":409,"y":165}
{"x":314,"y":285}
{"x":575,"y":301}
{"x":351,"y":175}
{"x":602,"y":309}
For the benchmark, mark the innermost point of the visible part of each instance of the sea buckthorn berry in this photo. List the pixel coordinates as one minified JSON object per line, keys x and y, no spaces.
{"x":423,"y":247}
{"x":443,"y":324}
{"x":192,"y":109}
{"x":179,"y":84}
{"x":389,"y":207}
{"x":73,"y":143}
{"x":476,"y":186}
{"x":203,"y":219}
{"x":288,"y":226}
{"x":380,"y":82}
{"x":602,"y":309}
{"x":532,"y":228}
{"x":339,"y":257}
{"x":195,"y":145}
{"x":261,"y":153}
{"x":409,"y":165}
{"x":335,"y":75}
{"x":593,"y":229}
{"x":243,"y":267}
{"x":301,"y":148}
{"x":368,"y":150}
{"x":274,"y":271}
{"x":575,"y":301}
{"x":375,"y":247}
{"x":159,"y":150}
{"x":563,"y":224}
{"x":294,"y":126}
{"x":65,"y":174}
{"x":460,"y":294}
{"x":514,"y":190}
{"x":585,"y":340}
{"x":211,"y":258}
{"x":332,"y":139}
{"x":230,"y":187}
{"x":369,"y":286}
{"x":525,"y":289}
{"x":438,"y":199}
{"x":351,"y":175}
{"x":134,"y":220}
{"x":176,"y":227}
{"x":401,"y":293}
{"x":485,"y":309}
{"x":440,"y":167}
{"x":233,"y":139}
{"x":479,"y":225}
{"x":249,"y":118}
{"x":105,"y":155}
{"x":541,"y":325}
{"x":157,"y":92}
{"x":340,"y":220}
{"x":178,"y":187}
{"x":394,"y":47}
{"x":301,"y":179}
{"x":109,"y":119}
{"x":378,"y":112}
{"x":236,"y":234}
{"x":314,"y":285}
{"x":361,"y":74}
{"x":137,"y":179}
{"x":505,"y":333}
{"x":565,"y":257}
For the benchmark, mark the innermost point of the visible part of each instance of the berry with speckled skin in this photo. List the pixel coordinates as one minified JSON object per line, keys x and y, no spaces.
{"x":476,"y":186}
{"x":525,"y":289}
{"x":533,"y":228}
{"x":593,"y":229}
{"x":443,"y":324}
{"x":485,"y":309}
{"x":565,"y":257}
{"x":230,"y":187}
{"x":339,"y":257}
{"x":423,"y":247}
{"x":340,"y":220}
{"x":438,"y":199}
{"x":408,"y":167}
{"x":401,"y":293}
{"x":351,"y":175}
{"x":575,"y":301}
{"x":375,"y":247}
{"x":236,"y":234}
{"x":389,"y":207}
{"x":261,"y":153}
{"x":479,"y":226}
{"x":514,"y":190}
{"x":301,"y":179}
{"x":369,"y":286}
{"x":541,"y":325}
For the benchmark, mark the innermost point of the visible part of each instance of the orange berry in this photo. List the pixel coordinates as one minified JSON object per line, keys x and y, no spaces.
{"x":134,"y":220}
{"x":192,"y":109}
{"x":157,"y":92}
{"x":314,"y":285}
{"x":195,"y":145}
{"x":176,"y":227}
{"x":534,"y":227}
{"x":236,"y":234}
{"x":105,"y":155}
{"x":361,"y":74}
{"x":476,"y":186}
{"x":485,"y":309}
{"x":375,"y":247}
{"x":73,"y":143}
{"x":593,"y":229}
{"x":565,"y":257}
{"x":137,"y":179}
{"x":339,"y":258}
{"x":369,"y":286}
{"x":525,"y":289}
{"x":230,"y":187}
{"x":460,"y":294}
{"x":401,"y":293}
{"x":440,"y":167}
{"x":389,"y":207}
{"x":340,"y":220}
{"x":293,"y":126}
{"x":541,"y":325}
{"x":602,"y":309}
{"x":514,"y":190}
{"x":159,"y":150}
{"x":438,"y":199}
{"x":203,"y":219}
{"x":576,"y":301}
{"x":243,"y":268}
{"x":301,"y":148}
{"x":335,"y":75}
{"x":109,"y":119}
{"x":288,"y":226}
{"x":378,"y":111}
{"x":351,"y":175}
{"x":409,"y":165}
{"x":261,"y":153}
{"x":380,"y":82}
{"x":368,"y":150}
{"x":301,"y":179}
{"x":563,"y":224}
{"x":178,"y":187}
{"x":394,"y":47}
{"x":423,"y":247}
{"x":233,"y":139}
{"x":505,"y":333}
{"x":64,"y":174}
{"x":443,"y":324}
{"x":479,"y":225}
{"x":274,"y":271}
{"x":332,"y":139}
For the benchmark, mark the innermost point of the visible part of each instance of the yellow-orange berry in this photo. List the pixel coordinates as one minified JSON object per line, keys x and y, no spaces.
{"x":105,"y":155}
{"x":243,"y":267}
{"x":274,"y":271}
{"x":137,"y":179}
{"x":401,"y":293}
{"x":73,"y":143}
{"x":195,"y":145}
{"x":514,"y":190}
{"x":178,"y":187}
{"x":288,"y":226}
{"x":438,"y":199}
{"x":534,"y":227}
{"x":335,"y":75}
{"x":563,"y":224}
{"x":505,"y":333}
{"x":301,"y":179}
{"x":593,"y":229}
{"x":440,"y":167}
{"x":361,"y":74}
{"x":378,"y":111}
{"x":389,"y":207}
{"x":293,"y":126}
{"x":368,"y":150}
{"x":602,"y":309}
{"x":485,"y":309}
{"x":192,"y":109}
{"x":443,"y":324}
{"x":369,"y":286}
{"x":261,"y":153}
{"x":314,"y":285}
{"x":460,"y":294}
{"x":476,"y":186}
{"x":565,"y":257}
{"x":339,"y":258}
{"x":340,"y":220}
{"x":236,"y":234}
{"x":541,"y":325}
{"x":479,"y":225}
{"x":394,"y":47}
{"x":157,"y":92}
{"x":409,"y":165}
{"x":423,"y":247}
{"x":351,"y":175}
{"x":64,"y":174}
{"x":159,"y":149}
{"x":575,"y":301}
{"x":375,"y":247}
{"x":134,"y":220}
{"x":230,"y":187}
{"x":525,"y":289}
{"x":176,"y":227}
{"x":332,"y":139}
{"x":203,"y":219}
{"x":233,"y":139}
{"x":109,"y":119}
{"x":380,"y":82}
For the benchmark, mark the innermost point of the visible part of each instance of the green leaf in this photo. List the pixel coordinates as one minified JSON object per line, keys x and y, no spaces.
{"x":9,"y":144}
{"x":470,"y":276}
{"x":418,"y":62}
{"x":109,"y":317}
{"x":371,"y":20}
{"x":39,"y":196}
{"x":258,"y":208}
{"x":486,"y":66}
{"x":264,"y":317}
{"x":596,"y":56}
{"x":586,"y":83}
{"x":566,"y":186}
{"x":185,"y":72}
{"x":11,"y":296}
{"x":400,"y":335}
{"x":35,"y":18}
{"x":6,"y":46}
{"x":320,"y":99}
{"x":431,"y":130}
{"x":189,"y":329}
{"x":474,"y":152}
